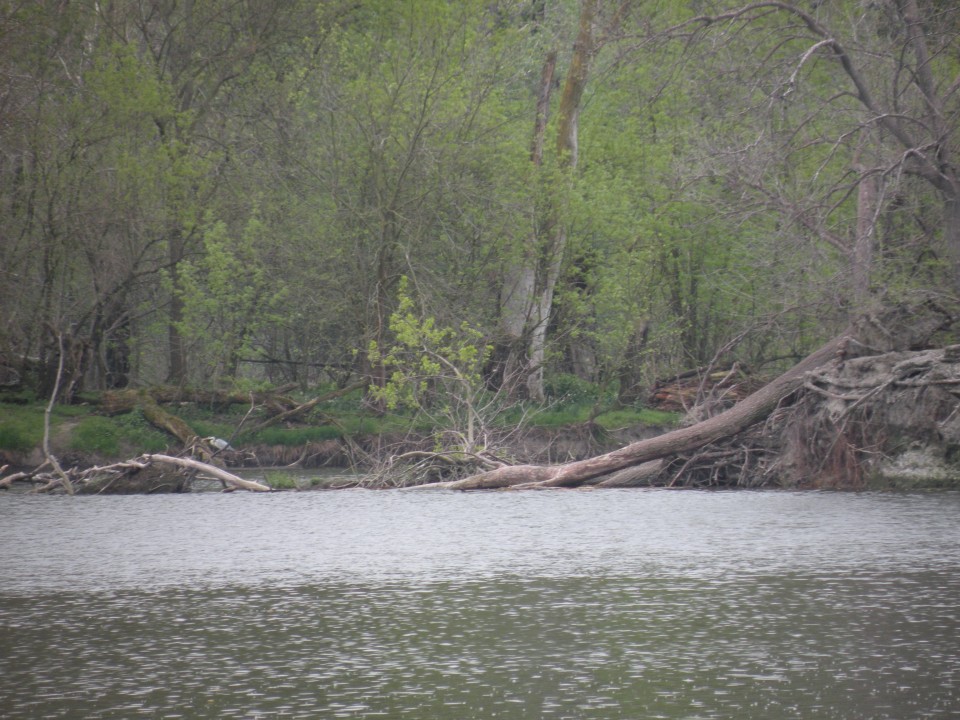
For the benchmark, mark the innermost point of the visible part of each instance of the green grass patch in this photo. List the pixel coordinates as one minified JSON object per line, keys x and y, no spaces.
{"x":96,"y":435}
{"x":21,"y":427}
{"x":580,"y":413}
{"x":280,"y":480}
{"x":114,"y":436}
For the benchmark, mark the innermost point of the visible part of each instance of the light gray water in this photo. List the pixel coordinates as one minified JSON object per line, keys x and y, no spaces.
{"x":561,"y":604}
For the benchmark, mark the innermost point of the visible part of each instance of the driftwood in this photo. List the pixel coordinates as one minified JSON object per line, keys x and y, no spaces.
{"x":213,"y":470}
{"x":742,"y":415}
{"x":114,"y":477}
{"x":899,"y":329}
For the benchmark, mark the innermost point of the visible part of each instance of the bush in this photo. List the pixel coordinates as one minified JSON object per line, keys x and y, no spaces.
{"x":565,"y":388}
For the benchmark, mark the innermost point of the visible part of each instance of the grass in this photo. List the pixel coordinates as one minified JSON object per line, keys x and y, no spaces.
{"x":21,"y":425}
{"x":96,"y":435}
{"x":21,"y":429}
{"x":579,"y":413}
{"x":280,"y":480}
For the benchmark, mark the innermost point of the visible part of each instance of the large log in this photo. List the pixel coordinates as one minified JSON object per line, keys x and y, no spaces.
{"x":216,"y":472}
{"x":899,"y":328}
{"x":160,"y":418}
{"x":751,"y":410}
{"x":308,"y":405}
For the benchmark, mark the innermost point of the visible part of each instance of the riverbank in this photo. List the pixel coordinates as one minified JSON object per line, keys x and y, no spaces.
{"x":82,"y":436}
{"x":882,"y":421}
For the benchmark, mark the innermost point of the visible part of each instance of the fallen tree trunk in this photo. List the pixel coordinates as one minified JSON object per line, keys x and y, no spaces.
{"x":213,"y":470}
{"x":741,"y":416}
{"x":308,"y":405}
{"x":900,"y":328}
{"x":115,"y":402}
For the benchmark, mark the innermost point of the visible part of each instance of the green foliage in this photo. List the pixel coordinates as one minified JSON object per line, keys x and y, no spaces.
{"x":96,"y":435}
{"x":21,"y":427}
{"x":429,"y":366}
{"x":256,"y":178}
{"x":294,"y":436}
{"x":228,"y":297}
{"x":279,"y":480}
{"x":436,"y":371}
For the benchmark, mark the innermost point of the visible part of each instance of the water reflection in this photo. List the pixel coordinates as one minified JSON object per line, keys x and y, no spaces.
{"x":547,"y":605}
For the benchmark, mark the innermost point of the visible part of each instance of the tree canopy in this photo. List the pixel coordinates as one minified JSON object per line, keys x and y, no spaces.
{"x":239,"y":193}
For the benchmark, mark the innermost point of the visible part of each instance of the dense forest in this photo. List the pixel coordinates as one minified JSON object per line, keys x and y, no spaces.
{"x":452,"y":200}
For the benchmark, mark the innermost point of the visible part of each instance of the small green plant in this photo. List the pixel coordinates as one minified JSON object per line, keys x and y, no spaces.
{"x":435,"y":371}
{"x":279,"y":480}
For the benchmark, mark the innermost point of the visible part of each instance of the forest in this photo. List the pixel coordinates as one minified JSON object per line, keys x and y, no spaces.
{"x":466,"y":208}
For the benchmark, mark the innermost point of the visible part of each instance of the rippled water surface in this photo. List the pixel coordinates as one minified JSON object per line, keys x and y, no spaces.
{"x":603,"y":604}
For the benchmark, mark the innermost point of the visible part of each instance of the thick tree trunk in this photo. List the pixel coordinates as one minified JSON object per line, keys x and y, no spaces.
{"x":898,"y":328}
{"x":741,"y":416}
{"x":568,"y":121}
{"x":519,"y":286}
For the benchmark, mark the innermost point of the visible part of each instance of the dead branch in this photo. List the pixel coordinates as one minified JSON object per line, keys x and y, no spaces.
{"x":309,"y":405}
{"x":213,"y":470}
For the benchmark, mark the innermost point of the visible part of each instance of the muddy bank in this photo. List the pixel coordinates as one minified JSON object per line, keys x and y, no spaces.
{"x":885,"y":421}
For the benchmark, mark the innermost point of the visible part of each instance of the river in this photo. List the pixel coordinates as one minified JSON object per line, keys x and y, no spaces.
{"x":437,"y":605}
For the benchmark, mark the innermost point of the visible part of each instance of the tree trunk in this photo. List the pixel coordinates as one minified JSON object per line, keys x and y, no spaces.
{"x":899,"y":328}
{"x":584,"y":48}
{"x":741,"y":416}
{"x":519,"y":285}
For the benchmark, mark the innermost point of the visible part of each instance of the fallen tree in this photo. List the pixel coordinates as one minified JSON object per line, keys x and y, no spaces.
{"x":145,"y":474}
{"x":899,"y":329}
{"x":279,"y":407}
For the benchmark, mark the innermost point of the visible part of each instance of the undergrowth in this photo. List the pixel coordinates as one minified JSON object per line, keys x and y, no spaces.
{"x":21,"y":425}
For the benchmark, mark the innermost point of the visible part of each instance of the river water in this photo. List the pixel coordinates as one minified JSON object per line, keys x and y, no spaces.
{"x":558,"y":604}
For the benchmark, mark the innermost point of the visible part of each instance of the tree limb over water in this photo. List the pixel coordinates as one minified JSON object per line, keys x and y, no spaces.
{"x":899,"y":329}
